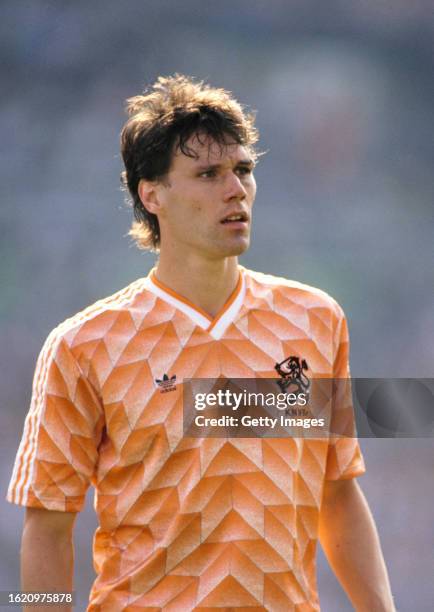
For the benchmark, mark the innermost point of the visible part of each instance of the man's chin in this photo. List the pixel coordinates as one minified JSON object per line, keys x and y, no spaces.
{"x":239,"y":248}
{"x":221,"y":249}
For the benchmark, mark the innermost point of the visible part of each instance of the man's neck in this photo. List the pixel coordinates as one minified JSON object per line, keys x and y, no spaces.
{"x":207,"y":284}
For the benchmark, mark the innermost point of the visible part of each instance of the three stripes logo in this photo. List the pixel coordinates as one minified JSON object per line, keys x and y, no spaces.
{"x":166,"y":384}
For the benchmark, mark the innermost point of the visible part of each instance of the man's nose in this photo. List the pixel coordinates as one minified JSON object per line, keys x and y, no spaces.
{"x":234,"y":187}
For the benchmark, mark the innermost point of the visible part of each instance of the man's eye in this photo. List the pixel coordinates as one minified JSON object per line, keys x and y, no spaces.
{"x":244,"y":170}
{"x":207,"y":174}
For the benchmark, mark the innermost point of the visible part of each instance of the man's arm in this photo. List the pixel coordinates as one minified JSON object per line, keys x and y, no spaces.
{"x":351,"y":544}
{"x":47,"y":555}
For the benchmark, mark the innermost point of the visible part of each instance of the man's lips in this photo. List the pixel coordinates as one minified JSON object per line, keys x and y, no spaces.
{"x":238,"y":219}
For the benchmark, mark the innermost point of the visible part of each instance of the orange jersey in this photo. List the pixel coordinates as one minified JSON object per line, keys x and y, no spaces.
{"x":185,"y":523}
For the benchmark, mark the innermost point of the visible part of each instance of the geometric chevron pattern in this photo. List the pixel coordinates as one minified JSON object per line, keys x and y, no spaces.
{"x":185,"y":523}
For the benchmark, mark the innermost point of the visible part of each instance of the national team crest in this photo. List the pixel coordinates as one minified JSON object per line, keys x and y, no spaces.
{"x":292,"y":370}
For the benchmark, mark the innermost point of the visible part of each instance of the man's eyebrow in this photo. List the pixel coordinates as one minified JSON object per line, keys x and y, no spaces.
{"x":242,"y":162}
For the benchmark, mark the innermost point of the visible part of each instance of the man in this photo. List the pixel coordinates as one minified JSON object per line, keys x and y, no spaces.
{"x":191,"y":523}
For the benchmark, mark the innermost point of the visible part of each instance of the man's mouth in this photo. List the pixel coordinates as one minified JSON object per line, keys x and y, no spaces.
{"x":235,"y":218}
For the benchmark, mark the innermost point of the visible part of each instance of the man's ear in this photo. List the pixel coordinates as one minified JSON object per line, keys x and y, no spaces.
{"x":148,"y":194}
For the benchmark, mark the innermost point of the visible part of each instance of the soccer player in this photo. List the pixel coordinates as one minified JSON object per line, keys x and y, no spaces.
{"x":191,"y":523}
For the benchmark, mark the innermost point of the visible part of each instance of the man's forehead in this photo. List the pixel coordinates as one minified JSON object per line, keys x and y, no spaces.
{"x":202,"y":148}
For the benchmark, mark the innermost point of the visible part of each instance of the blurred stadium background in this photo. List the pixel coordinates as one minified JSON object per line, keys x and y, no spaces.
{"x":345,"y":99}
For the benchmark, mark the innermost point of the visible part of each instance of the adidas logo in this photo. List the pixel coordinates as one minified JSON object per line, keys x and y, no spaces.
{"x":166,"y":384}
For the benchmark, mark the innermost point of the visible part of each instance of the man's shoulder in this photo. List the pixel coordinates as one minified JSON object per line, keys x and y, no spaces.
{"x":120,"y":312}
{"x":295,"y":291}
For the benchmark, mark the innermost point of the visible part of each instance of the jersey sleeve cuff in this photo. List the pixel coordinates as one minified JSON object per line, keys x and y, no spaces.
{"x":69,"y":504}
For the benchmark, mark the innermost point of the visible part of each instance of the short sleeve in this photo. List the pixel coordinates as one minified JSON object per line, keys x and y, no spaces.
{"x":58,"y":453}
{"x":344,"y":457}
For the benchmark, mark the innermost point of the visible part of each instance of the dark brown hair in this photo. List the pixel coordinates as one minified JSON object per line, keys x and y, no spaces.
{"x":162,"y":120}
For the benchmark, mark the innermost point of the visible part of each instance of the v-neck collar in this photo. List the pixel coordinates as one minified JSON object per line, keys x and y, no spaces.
{"x":216,"y":326}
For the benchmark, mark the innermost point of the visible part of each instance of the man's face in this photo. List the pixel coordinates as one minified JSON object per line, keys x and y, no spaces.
{"x":206,"y":201}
